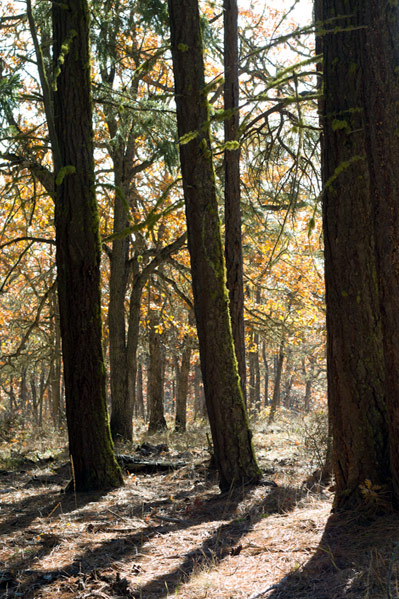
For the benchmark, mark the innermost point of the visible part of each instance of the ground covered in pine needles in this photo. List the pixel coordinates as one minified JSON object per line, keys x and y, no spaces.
{"x":172,"y":534}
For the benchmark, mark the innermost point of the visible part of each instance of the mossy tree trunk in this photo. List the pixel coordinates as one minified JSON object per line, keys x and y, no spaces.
{"x":360,"y":163}
{"x":78,"y":254}
{"x":234,"y":455}
{"x":232,"y":197}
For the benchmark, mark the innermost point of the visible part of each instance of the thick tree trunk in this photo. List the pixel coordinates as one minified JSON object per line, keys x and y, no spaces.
{"x":233,"y":243}
{"x":78,"y":254}
{"x":55,"y":369}
{"x":231,"y":436}
{"x":360,"y":160}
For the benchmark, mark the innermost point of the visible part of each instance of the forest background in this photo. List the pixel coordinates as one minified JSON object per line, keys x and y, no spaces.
{"x":134,"y":119}
{"x":122,"y":542}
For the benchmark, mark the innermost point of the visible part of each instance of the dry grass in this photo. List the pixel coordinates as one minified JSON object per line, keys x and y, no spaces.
{"x":174,"y":535}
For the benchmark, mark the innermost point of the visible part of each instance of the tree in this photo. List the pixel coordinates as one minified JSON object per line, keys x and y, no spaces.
{"x":156,"y":377}
{"x":182,"y":376}
{"x":79,"y":252}
{"x":360,"y":161}
{"x":231,"y":435}
{"x":137,"y":143}
{"x":233,"y":242}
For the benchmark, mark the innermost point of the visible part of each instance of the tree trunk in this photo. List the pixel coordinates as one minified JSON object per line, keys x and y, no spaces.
{"x":23,"y":395}
{"x":34,"y":400}
{"x":309,"y":379}
{"x":139,"y":405}
{"x":157,"y":420}
{"x":78,"y":254}
{"x":134,"y":329}
{"x":266,"y":376}
{"x":289,"y":380}
{"x":42,"y":389}
{"x":122,"y":411}
{"x":55,"y":369}
{"x":199,"y":399}
{"x":183,"y":372}
{"x":308,"y":395}
{"x":360,"y":162}
{"x":277,"y":382}
{"x":251,"y":378}
{"x":234,"y":455}
{"x":233,"y":241}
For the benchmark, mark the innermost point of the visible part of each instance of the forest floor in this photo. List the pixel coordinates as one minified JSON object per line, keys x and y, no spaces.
{"x":172,"y":534}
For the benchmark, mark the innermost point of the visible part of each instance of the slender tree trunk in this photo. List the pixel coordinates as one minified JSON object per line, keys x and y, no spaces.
{"x":183,"y":372}
{"x":78,"y":254}
{"x":234,"y":455}
{"x":122,"y":412}
{"x":308,"y":395}
{"x":233,"y":243}
{"x":360,"y":162}
{"x":34,"y":400}
{"x":289,"y":379}
{"x":251,"y":378}
{"x":23,"y":394}
{"x":266,"y":375}
{"x":157,"y":420}
{"x":309,"y":379}
{"x":42,"y":389}
{"x":139,"y":406}
{"x":277,"y":381}
{"x":199,"y":399}
{"x":134,"y":330}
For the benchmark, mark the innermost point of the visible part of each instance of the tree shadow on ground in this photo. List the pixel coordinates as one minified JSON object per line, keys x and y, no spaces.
{"x":125,"y":547}
{"x":357,"y":558}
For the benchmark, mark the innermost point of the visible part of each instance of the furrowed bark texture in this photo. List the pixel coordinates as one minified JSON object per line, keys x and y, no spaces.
{"x":231,"y":436}
{"x":122,"y":409}
{"x":360,"y":158}
{"x":78,"y":255}
{"x":232,"y":203}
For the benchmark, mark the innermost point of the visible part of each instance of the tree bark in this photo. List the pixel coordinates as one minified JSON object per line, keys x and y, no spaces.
{"x":157,"y":420}
{"x":232,"y":203}
{"x":289,"y":380}
{"x":277,"y":381}
{"x":55,"y":368}
{"x":360,"y":162}
{"x":266,"y":376}
{"x":199,"y":399}
{"x":122,"y":410}
{"x":139,"y":405}
{"x":234,"y":455}
{"x":183,"y":371}
{"x":78,"y":254}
